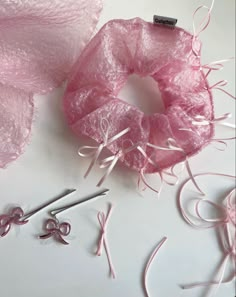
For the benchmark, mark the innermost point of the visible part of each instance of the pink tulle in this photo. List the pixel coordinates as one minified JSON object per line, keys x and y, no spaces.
{"x":124,"y":47}
{"x":39,"y":43}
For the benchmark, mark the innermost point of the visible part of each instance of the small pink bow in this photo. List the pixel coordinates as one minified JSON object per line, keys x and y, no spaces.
{"x":56,"y":230}
{"x":13,"y":217}
{"x":110,"y":162}
{"x":103,"y":220}
{"x":95,"y":151}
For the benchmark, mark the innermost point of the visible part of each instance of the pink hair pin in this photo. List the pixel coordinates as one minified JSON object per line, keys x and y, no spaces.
{"x":17,"y":216}
{"x":58,"y":230}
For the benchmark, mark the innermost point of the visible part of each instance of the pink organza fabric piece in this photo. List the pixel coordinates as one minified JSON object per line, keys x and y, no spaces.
{"x":124,"y":47}
{"x":39,"y":43}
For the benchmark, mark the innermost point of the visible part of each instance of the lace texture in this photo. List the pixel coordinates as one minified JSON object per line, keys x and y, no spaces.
{"x":39,"y":43}
{"x":124,"y":47}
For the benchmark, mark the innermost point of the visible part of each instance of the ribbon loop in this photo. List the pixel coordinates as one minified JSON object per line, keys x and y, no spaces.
{"x":223,"y":222}
{"x":95,"y":151}
{"x":111,"y":161}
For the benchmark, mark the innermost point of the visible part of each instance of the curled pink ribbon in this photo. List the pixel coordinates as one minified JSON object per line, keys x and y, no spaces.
{"x":95,"y":151}
{"x":152,"y":257}
{"x":39,"y":43}
{"x":219,"y":85}
{"x":226,"y":211}
{"x":173,"y":146}
{"x":103,"y":221}
{"x":15,"y":216}
{"x":56,"y":230}
{"x":166,"y":176}
{"x":202,"y":27}
{"x":226,"y":224}
{"x":229,"y":253}
{"x":216,"y":65}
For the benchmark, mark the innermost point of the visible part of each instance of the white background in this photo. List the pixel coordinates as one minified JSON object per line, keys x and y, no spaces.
{"x":33,"y":268}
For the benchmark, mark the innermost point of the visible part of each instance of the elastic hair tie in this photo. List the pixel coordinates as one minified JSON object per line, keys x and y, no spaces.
{"x":157,"y":142}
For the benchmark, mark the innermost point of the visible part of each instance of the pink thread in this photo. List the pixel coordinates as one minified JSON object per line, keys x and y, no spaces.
{"x":103,"y":221}
{"x":15,"y":216}
{"x":223,"y":222}
{"x":56,"y":230}
{"x":148,"y":265}
{"x":40,"y":41}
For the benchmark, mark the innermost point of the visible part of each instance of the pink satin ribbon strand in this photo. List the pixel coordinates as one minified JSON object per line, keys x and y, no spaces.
{"x":219,"y":85}
{"x":103,"y":221}
{"x":200,"y":201}
{"x":226,"y":224}
{"x":95,"y":151}
{"x":203,"y":24}
{"x":215,"y":66}
{"x":173,"y":146}
{"x":111,"y":161}
{"x":148,"y":265}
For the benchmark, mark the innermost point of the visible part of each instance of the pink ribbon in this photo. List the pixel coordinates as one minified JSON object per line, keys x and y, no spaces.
{"x":202,"y":27}
{"x":225,"y":222}
{"x":15,"y":216}
{"x":56,"y":230}
{"x":95,"y":151}
{"x":216,"y":65}
{"x":164,"y":174}
{"x":151,"y":259}
{"x":229,"y":252}
{"x":218,"y":85}
{"x":111,"y":161}
{"x":103,"y":221}
{"x":173,"y":146}
{"x":225,"y":211}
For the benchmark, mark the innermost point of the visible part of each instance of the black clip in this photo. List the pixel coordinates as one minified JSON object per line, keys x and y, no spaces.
{"x":166,"y":21}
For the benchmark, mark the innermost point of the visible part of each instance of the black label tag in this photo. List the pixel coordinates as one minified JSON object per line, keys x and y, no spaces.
{"x":166,"y":21}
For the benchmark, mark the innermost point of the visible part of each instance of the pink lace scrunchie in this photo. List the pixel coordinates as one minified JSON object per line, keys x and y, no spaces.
{"x":157,"y":141}
{"x":39,"y":43}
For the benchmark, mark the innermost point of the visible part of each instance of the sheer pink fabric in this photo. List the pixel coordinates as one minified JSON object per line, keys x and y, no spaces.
{"x":39,"y":42}
{"x":124,"y":47}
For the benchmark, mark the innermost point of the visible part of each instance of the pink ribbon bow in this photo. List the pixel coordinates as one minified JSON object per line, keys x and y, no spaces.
{"x":95,"y":151}
{"x":111,"y":161}
{"x":103,"y":221}
{"x":56,"y":230}
{"x":39,"y":43}
{"x":15,"y":216}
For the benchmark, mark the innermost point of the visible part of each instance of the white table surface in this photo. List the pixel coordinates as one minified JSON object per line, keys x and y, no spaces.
{"x":33,"y":268}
